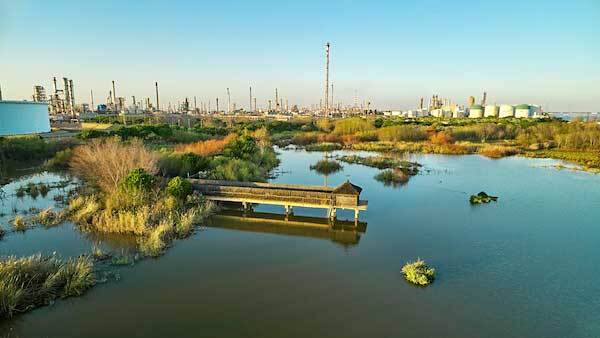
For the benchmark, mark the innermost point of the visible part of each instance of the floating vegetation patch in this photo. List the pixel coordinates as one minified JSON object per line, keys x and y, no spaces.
{"x":323,"y":146}
{"x":383,"y":162}
{"x":392,"y":177}
{"x":49,"y":217}
{"x":418,"y":272}
{"x":20,"y":223}
{"x":326,"y":167}
{"x":481,"y":198}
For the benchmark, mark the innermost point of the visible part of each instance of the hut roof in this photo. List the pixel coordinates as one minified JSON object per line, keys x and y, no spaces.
{"x":348,"y":189}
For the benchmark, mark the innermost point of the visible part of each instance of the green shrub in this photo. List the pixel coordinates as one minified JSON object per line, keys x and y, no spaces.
{"x":418,"y":273}
{"x":352,"y":126}
{"x":138,"y":179}
{"x":402,"y":133}
{"x":87,"y":134}
{"x":60,"y":160}
{"x":177,"y":164}
{"x":179,"y":187}
{"x":243,"y":147}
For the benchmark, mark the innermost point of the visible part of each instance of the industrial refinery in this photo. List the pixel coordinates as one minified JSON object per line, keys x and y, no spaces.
{"x":62,"y":106}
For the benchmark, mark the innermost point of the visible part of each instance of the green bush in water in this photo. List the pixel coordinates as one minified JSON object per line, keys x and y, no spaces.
{"x":326,"y":167}
{"x":137,"y":180}
{"x":482,"y":197}
{"x":418,"y":272}
{"x":179,"y":187}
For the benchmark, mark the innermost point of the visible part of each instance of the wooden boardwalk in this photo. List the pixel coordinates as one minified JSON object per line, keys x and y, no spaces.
{"x":345,"y":196}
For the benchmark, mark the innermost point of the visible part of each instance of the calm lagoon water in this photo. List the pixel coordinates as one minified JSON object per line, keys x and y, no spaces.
{"x":525,"y":266}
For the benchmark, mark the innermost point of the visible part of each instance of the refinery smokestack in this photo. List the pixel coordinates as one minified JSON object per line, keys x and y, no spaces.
{"x":327,"y":45}
{"x":72,"y":97}
{"x":0,"y":92}
{"x":250,"y":106}
{"x":114,"y":93}
{"x":157,"y":102}
{"x":228,"y":101}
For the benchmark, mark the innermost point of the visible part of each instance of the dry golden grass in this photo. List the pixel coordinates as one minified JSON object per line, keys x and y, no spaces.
{"x":206,"y":148}
{"x":441,"y":138}
{"x":104,"y":162}
{"x":494,"y":151}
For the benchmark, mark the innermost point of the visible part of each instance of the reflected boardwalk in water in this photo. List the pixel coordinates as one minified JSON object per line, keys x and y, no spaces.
{"x":344,"y":196}
{"x":346,"y":233}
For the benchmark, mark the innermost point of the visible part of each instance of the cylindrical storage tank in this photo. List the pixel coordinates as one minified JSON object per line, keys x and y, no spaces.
{"x":23,"y":117}
{"x":491,"y":111}
{"x":522,"y":111}
{"x":507,"y":110}
{"x":476,"y":111}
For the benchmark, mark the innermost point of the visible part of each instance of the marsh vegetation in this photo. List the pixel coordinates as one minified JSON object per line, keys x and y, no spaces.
{"x":418,"y":272}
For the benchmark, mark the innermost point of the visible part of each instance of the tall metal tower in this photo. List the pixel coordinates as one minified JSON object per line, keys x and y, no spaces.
{"x":327,"y":45}
{"x":228,"y":101}
{"x":157,"y":102}
{"x":276,"y":100}
{"x":250,"y":106}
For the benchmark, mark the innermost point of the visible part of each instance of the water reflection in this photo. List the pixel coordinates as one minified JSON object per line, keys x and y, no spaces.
{"x":345,"y":233}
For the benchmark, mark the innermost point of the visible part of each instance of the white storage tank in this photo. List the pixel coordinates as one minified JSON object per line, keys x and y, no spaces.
{"x":23,"y":117}
{"x":491,"y":111}
{"x":522,"y":111}
{"x":506,"y":110}
{"x":476,"y":111}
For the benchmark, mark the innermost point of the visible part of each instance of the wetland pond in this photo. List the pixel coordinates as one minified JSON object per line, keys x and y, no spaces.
{"x":525,"y":266}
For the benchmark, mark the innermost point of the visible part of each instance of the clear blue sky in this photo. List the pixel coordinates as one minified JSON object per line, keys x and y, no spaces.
{"x":391,"y":52}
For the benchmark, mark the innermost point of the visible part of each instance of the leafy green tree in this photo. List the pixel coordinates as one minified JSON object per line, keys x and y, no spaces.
{"x":243,"y":147}
{"x":179,"y":187}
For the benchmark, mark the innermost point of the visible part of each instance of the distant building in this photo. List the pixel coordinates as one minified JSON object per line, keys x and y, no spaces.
{"x":506,"y":110}
{"x":476,"y":111}
{"x":23,"y":117}
{"x":491,"y":111}
{"x":523,"y":111}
